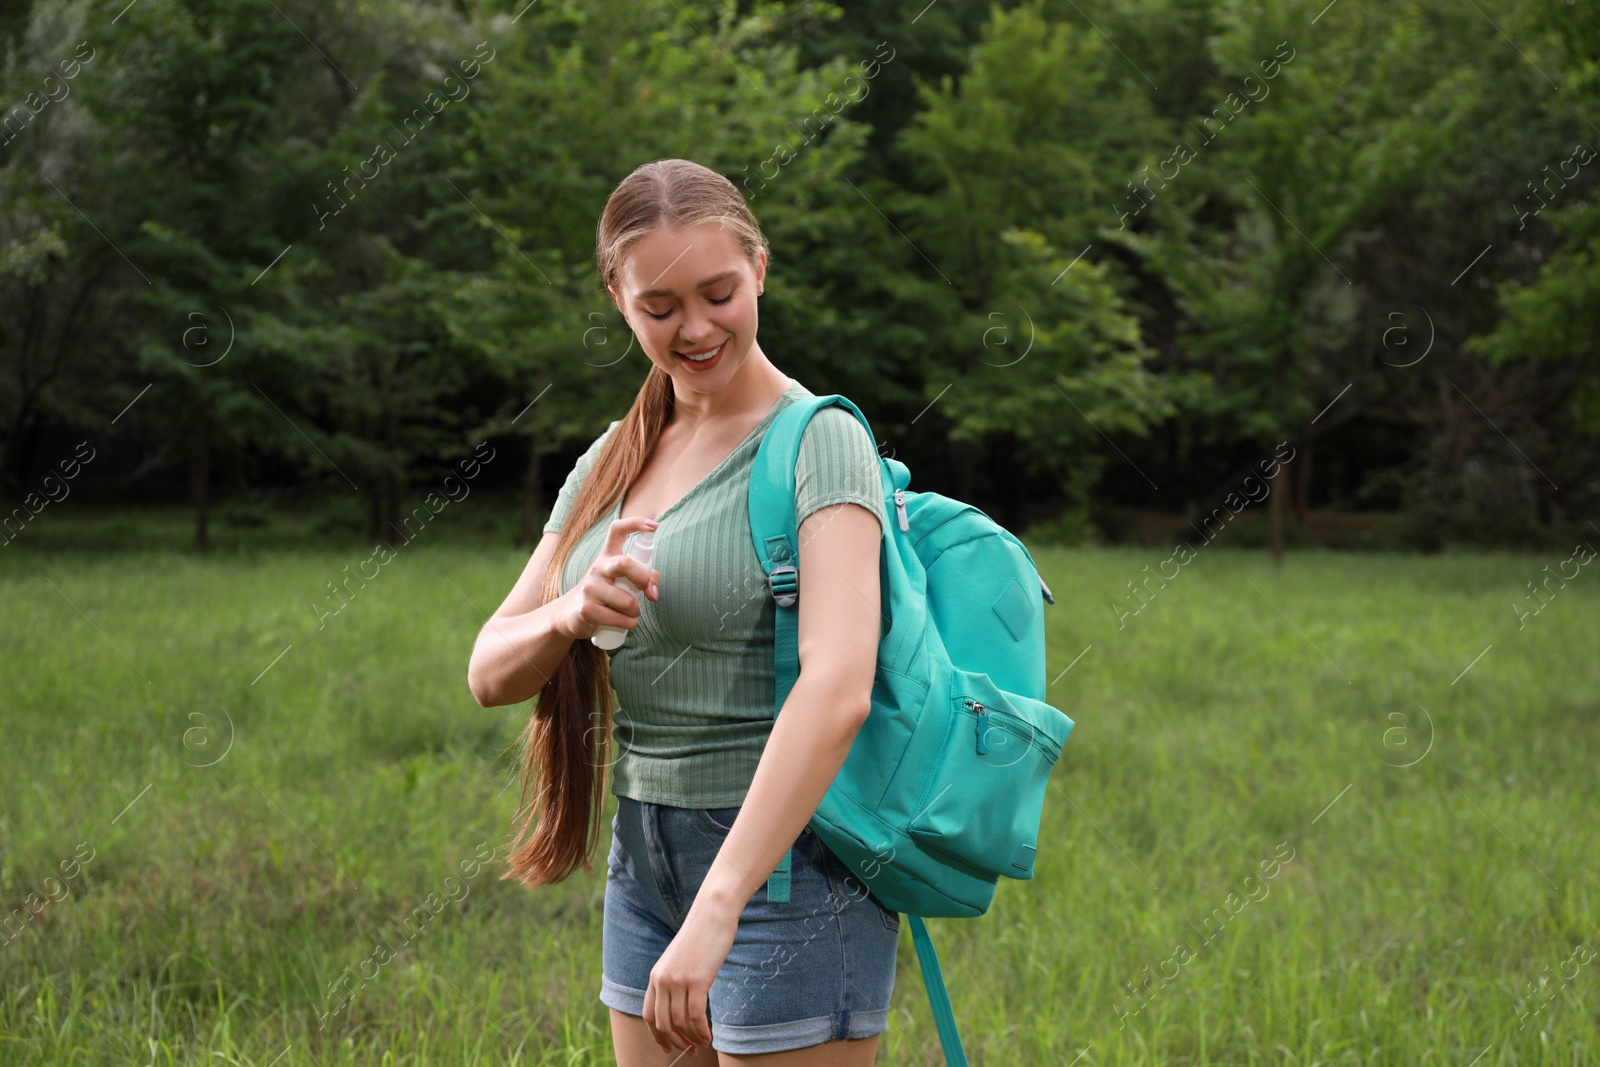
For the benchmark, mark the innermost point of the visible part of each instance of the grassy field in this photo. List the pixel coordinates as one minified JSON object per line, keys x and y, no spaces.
{"x":1342,"y":810}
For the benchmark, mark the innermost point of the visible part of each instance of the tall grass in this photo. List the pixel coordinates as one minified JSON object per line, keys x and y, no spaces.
{"x":267,"y":800}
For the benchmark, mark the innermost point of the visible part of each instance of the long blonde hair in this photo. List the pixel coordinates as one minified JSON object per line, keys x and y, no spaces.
{"x":566,"y":744}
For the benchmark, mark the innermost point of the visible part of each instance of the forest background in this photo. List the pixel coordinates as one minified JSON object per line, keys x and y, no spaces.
{"x":267,"y":260}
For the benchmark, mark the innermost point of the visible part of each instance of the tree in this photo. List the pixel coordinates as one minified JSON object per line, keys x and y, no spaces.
{"x":1044,"y":355}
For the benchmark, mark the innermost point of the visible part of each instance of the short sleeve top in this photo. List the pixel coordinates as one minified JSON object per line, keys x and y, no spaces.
{"x":695,"y":678}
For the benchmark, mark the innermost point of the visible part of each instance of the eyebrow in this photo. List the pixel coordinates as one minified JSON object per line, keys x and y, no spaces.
{"x":713,"y":280}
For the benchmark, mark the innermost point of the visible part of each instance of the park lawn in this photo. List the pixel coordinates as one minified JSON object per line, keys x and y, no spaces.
{"x":253,"y":797}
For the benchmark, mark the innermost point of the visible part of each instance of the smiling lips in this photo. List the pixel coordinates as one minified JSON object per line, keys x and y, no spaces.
{"x":700,"y":351}
{"x":706,"y":358}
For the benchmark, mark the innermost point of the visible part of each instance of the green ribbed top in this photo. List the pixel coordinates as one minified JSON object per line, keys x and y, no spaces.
{"x":695,"y":678}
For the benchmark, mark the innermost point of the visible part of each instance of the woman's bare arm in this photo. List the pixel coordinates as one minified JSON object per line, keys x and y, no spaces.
{"x":519,"y":647}
{"x":840,"y":616}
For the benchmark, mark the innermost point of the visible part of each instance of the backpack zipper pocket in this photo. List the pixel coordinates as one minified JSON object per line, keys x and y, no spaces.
{"x":983,"y":797}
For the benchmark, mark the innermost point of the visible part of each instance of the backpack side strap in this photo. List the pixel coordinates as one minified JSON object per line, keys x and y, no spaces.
{"x":938,"y":996}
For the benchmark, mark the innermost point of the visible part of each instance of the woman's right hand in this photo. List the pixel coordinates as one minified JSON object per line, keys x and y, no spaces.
{"x":596,"y":601}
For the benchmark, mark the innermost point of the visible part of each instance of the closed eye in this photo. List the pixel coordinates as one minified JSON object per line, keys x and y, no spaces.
{"x":664,"y":314}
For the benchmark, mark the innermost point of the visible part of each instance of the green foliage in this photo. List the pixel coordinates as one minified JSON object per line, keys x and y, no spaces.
{"x":1553,"y":317}
{"x":1069,"y":529}
{"x":1028,"y":233}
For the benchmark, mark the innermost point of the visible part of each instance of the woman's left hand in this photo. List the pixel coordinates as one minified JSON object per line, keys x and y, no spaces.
{"x":676,"y":1003}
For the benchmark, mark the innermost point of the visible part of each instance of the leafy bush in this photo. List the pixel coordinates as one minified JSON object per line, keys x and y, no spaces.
{"x":1486,"y":505}
{"x":1072,"y":527}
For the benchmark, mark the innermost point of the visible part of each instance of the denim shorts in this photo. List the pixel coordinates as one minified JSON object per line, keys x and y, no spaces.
{"x":818,"y":968}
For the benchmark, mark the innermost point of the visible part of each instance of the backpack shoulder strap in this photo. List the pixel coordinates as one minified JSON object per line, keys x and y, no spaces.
{"x":772,"y":489}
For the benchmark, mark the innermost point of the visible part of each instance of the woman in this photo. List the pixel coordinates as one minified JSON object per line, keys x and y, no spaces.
{"x":711,"y":790}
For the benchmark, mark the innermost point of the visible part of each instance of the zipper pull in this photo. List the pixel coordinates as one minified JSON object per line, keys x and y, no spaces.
{"x":982,"y":727}
{"x":900,"y":509}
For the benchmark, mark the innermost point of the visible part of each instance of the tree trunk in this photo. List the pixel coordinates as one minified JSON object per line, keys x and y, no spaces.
{"x":530,"y":486}
{"x":1301,"y":468}
{"x":1546,"y":503}
{"x":1012,"y":507}
{"x":200,"y":483}
{"x":963,"y":471}
{"x":392,"y":489}
{"x":1280,"y":485}
{"x":383,"y":526}
{"x":383,"y":513}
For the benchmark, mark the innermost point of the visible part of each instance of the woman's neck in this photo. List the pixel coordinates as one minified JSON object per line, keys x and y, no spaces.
{"x":754,"y":387}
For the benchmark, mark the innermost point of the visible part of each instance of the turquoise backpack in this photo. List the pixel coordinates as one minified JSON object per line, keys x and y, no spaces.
{"x":943,"y":788}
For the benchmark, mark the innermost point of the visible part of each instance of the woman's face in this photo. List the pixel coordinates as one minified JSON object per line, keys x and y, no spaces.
{"x":691,"y":289}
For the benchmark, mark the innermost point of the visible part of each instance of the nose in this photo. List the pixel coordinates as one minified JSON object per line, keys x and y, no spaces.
{"x":698,"y":330}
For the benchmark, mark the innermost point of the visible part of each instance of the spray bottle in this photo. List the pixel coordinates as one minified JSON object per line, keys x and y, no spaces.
{"x":642,"y":549}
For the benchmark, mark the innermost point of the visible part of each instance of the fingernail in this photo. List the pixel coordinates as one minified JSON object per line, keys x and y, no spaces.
{"x":653,"y":590}
{"x":651,"y":523}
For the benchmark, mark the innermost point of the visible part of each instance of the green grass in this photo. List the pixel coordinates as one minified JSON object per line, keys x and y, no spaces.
{"x":1245,"y":706}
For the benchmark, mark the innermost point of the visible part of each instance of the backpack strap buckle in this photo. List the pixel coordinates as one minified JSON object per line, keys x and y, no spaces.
{"x":784,"y":584}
